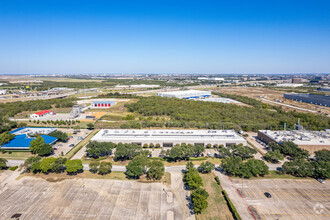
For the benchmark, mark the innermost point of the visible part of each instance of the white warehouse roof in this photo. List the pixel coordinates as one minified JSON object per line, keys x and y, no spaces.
{"x":160,"y":136}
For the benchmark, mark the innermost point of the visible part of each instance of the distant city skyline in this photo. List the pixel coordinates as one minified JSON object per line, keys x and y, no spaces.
{"x":140,"y":37}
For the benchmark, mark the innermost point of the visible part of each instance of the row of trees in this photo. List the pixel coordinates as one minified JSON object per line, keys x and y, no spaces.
{"x":182,"y":152}
{"x":57,"y":122}
{"x":99,"y":149}
{"x":193,"y":180}
{"x":210,"y":115}
{"x":61,"y":136}
{"x":52,"y":164}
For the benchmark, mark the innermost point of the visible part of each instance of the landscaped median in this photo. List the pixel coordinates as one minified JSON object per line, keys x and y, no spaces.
{"x":229,"y":203}
{"x":81,"y":144}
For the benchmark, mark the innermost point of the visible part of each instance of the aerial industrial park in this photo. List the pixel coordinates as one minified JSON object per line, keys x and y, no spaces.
{"x":165,"y":110}
{"x":115,"y":135}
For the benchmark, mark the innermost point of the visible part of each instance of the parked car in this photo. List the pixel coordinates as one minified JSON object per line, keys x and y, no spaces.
{"x":80,"y":138}
{"x":321,"y":180}
{"x":71,"y":145}
{"x":267,"y":194}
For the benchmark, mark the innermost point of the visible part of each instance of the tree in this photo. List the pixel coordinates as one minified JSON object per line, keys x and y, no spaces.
{"x":105,"y":168}
{"x":198,"y":149}
{"x":126,"y":151}
{"x":31,"y":160}
{"x":298,"y":167}
{"x":98,"y":149}
{"x":45,"y":150}
{"x":206,"y":167}
{"x":321,"y":169}
{"x":59,"y":165}
{"x":189,"y":165}
{"x":273,"y":156}
{"x":6,"y":137}
{"x":253,"y":167}
{"x":46,"y":165}
{"x":322,"y":155}
{"x":199,"y":202}
{"x":35,"y":167}
{"x":3,"y":163}
{"x":232,"y":165}
{"x":73,"y":166}
{"x":93,"y":166}
{"x":193,"y":179}
{"x":224,"y":152}
{"x":61,"y":136}
{"x":36,"y":144}
{"x":156,"y":170}
{"x":90,"y":126}
{"x":136,"y":167}
{"x":242,"y":151}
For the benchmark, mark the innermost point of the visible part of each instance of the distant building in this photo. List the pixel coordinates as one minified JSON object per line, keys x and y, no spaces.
{"x":186,"y":94}
{"x":75,"y":112}
{"x":137,"y":86}
{"x":309,"y":140}
{"x":289,"y":85}
{"x":325,"y":89}
{"x":323,"y":100}
{"x":169,"y":138}
{"x":102,"y":104}
{"x":297,"y":80}
{"x":3,"y":92}
{"x":24,"y":136}
{"x":41,"y":114}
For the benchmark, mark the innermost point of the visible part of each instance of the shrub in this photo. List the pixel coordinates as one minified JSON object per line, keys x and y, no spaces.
{"x":13,"y":168}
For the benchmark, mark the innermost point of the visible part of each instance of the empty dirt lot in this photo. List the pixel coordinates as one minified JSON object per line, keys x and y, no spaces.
{"x":88,"y":199}
{"x":291,"y":199}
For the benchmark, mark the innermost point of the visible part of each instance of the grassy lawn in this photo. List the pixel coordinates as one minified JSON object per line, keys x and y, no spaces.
{"x":82,"y":143}
{"x":16,"y":155}
{"x":218,"y":208}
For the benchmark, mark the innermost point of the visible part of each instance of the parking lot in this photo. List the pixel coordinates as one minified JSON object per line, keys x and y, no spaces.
{"x":291,"y":199}
{"x":34,"y":198}
{"x":65,"y":147}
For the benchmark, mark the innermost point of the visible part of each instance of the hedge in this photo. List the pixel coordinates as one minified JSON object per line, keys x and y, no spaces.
{"x":217,"y":180}
{"x":231,"y":206}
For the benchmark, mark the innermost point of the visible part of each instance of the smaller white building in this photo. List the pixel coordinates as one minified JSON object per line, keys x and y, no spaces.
{"x":3,"y":92}
{"x":289,"y":85}
{"x":102,"y":104}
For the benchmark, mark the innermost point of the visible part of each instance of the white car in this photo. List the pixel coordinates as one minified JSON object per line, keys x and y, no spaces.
{"x":321,"y":180}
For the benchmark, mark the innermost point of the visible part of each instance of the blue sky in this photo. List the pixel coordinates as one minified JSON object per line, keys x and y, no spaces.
{"x":273,"y":36}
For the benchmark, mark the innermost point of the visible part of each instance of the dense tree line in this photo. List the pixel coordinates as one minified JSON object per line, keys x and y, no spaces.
{"x":211,"y":115}
{"x":289,"y":148}
{"x":102,"y":168}
{"x":117,"y":95}
{"x":239,"y":150}
{"x":129,"y":151}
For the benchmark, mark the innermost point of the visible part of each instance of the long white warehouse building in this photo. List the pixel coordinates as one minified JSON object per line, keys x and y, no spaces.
{"x":186,"y":94}
{"x":168,"y":138}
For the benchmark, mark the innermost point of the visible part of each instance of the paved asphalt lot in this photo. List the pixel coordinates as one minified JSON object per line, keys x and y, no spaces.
{"x":291,"y":199}
{"x":34,"y":198}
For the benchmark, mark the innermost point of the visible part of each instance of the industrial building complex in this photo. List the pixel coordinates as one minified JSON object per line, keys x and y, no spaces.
{"x":169,"y":138}
{"x":309,"y":140}
{"x":24,"y":135}
{"x":323,"y":100}
{"x":186,"y":94}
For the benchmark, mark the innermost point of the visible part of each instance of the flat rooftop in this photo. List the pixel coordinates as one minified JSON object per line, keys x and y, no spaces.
{"x":166,"y":135}
{"x":33,"y":130}
{"x":301,"y":137}
{"x":221,"y":100}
